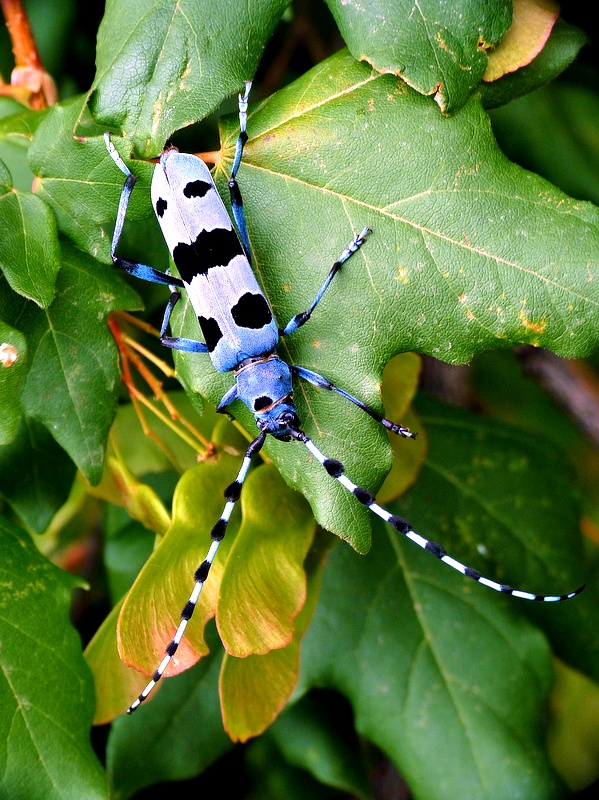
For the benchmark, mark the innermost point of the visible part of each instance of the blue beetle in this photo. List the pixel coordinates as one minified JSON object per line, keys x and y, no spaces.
{"x":241,"y":335}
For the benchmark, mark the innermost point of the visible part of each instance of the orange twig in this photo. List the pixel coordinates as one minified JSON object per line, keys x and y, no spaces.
{"x":139,"y":323}
{"x":29,"y":81}
{"x":211,"y":157}
{"x":131,"y":352}
{"x":158,"y":362}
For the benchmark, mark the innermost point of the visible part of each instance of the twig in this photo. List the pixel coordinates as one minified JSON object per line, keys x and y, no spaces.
{"x":130,"y":352}
{"x":29,"y":82}
{"x":572,"y":383}
{"x":450,"y":382}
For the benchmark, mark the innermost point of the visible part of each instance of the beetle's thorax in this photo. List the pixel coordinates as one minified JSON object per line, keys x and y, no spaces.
{"x":264,"y":385}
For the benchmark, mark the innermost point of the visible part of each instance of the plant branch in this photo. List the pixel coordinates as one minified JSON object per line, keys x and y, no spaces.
{"x":130,"y":352}
{"x":571,"y":383}
{"x":29,"y":83}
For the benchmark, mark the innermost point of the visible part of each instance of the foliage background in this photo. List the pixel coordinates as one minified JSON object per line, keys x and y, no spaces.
{"x":542,"y":469}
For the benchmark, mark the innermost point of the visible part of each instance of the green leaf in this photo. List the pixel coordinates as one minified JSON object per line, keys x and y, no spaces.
{"x":73,"y":374}
{"x":313,"y":734}
{"x":176,"y":735}
{"x":431,"y":661}
{"x":29,"y":251}
{"x":19,"y":123}
{"x":561,"y":49}
{"x":438,"y":48}
{"x":9,"y":107}
{"x":467,"y":254}
{"x":174,"y":64}
{"x":553,"y":132}
{"x":78,"y":179}
{"x":512,"y":396}
{"x":16,"y":133}
{"x":36,"y":475}
{"x":13,"y":353}
{"x":429,"y":668}
{"x":472,"y":241}
{"x":46,"y":691}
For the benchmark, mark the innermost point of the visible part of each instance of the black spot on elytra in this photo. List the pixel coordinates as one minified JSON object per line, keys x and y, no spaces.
{"x":212,"y":332}
{"x":161,"y":206}
{"x":197,"y":189}
{"x":215,"y":248}
{"x":251,"y":311}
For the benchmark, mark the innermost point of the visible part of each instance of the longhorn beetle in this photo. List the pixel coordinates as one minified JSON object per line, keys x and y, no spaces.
{"x":241,"y":336}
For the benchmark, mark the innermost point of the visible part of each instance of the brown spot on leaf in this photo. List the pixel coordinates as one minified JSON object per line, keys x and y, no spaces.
{"x":8,"y":354}
{"x":536,"y":327}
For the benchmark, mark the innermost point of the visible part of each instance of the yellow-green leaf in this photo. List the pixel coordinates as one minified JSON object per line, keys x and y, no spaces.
{"x":254,"y":690}
{"x":532,"y":23}
{"x":264,"y":586}
{"x":150,"y":613}
{"x":116,"y":684}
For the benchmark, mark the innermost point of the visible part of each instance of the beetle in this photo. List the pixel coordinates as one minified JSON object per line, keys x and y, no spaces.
{"x":240,"y":335}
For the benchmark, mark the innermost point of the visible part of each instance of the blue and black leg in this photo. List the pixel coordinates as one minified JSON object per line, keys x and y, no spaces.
{"x":141,"y":270}
{"x":300,"y":319}
{"x":235,"y":192}
{"x":132,"y":267}
{"x":318,"y":380}
{"x":178,"y":342}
